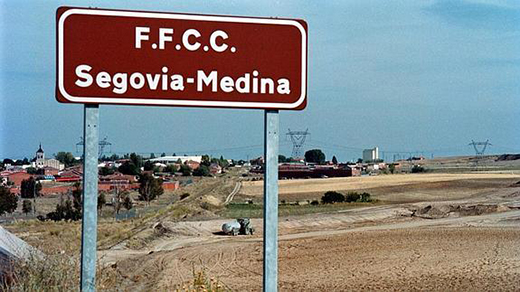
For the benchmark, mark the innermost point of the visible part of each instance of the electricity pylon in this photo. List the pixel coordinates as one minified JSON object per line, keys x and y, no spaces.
{"x":102,"y":144}
{"x":298,"y":139}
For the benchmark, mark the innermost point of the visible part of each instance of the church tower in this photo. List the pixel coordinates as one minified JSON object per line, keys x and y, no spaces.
{"x":40,"y":157}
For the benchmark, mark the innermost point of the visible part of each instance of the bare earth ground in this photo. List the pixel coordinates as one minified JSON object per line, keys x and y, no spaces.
{"x":429,"y":232}
{"x":390,"y":188}
{"x":458,"y":259}
{"x":468,"y":239}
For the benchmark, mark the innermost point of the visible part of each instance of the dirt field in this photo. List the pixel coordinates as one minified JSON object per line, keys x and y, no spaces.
{"x":468,"y":243}
{"x":429,"y":232}
{"x":449,"y":255}
{"x":389,"y":188}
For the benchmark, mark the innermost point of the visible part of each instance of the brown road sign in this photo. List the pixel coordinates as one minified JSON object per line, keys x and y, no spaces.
{"x":170,"y":59}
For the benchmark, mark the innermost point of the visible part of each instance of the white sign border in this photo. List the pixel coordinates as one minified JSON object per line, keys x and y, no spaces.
{"x":198,"y":103}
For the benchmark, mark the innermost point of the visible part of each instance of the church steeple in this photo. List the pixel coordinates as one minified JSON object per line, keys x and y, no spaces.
{"x":40,"y":157}
{"x":40,"y":150}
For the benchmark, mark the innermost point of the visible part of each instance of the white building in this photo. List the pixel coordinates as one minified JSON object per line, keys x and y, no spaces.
{"x":371,"y":154}
{"x":41,"y":162}
{"x":174,"y":159}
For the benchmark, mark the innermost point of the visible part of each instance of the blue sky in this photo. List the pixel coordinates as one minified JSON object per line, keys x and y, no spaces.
{"x":407,"y":76}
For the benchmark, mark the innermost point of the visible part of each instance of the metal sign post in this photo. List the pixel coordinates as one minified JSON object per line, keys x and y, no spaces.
{"x":90,"y":194}
{"x":271,"y":201}
{"x":173,"y":59}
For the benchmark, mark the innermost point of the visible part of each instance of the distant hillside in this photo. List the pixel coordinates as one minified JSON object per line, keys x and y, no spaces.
{"x":505,"y":157}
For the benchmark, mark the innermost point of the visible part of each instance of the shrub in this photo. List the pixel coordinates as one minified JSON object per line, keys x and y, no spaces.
{"x":203,"y":170}
{"x":127,"y":201}
{"x":171,"y":168}
{"x":65,"y":211}
{"x":365,"y":198}
{"x":26,"y":206}
{"x":185,"y":170}
{"x":56,"y":271}
{"x":418,"y":169}
{"x":332,"y":197}
{"x":101,"y":201}
{"x":352,"y":197}
{"x":315,"y":203}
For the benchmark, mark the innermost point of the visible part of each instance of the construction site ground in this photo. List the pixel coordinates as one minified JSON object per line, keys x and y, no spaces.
{"x":434,"y":232}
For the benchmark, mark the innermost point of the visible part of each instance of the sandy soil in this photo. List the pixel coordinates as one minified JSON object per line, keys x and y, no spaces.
{"x":462,"y":255}
{"x":466,"y":242}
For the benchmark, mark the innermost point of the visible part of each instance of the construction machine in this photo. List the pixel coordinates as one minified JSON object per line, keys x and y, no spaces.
{"x":241,"y":226}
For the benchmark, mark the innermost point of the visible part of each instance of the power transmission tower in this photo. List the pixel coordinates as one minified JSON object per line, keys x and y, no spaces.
{"x":102,"y":145}
{"x":480,"y":149}
{"x":298,"y":139}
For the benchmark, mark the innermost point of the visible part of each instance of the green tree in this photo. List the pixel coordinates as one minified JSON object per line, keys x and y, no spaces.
{"x":332,"y":197}
{"x":77,"y":197}
{"x":106,"y":170}
{"x":152,"y":155}
{"x":352,"y":197}
{"x":8,"y":201}
{"x":282,"y":159}
{"x":30,"y":188}
{"x":203,"y":170}
{"x":334,"y":160}
{"x":136,"y":159}
{"x":66,"y":158}
{"x":148,"y":165}
{"x":186,"y":170}
{"x":391,"y":168}
{"x":31,"y":170}
{"x":114,"y":157}
{"x":171,"y":168}
{"x":315,"y":156}
{"x":129,"y":168}
{"x":163,"y":154}
{"x":223,"y":162}
{"x":26,"y":206}
{"x":206,"y":160}
{"x":149,"y":187}
{"x":101,"y":201}
{"x":65,"y":211}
